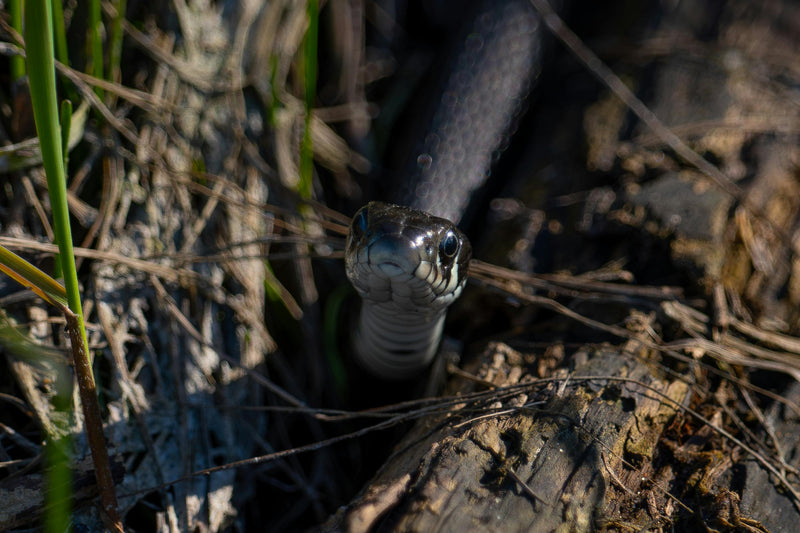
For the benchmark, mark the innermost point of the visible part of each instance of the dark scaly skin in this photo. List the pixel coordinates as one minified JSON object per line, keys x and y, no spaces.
{"x":482,"y":97}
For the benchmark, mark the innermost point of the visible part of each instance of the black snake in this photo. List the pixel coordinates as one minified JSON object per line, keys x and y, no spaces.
{"x":410,"y":263}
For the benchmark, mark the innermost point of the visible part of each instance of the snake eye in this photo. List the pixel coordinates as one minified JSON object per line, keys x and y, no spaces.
{"x":359,"y":225}
{"x":449,"y":245}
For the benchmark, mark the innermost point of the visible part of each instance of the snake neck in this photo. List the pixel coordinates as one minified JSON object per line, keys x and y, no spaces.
{"x":396,"y":344}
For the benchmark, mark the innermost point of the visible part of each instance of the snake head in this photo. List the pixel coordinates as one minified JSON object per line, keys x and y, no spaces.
{"x":405,"y":256}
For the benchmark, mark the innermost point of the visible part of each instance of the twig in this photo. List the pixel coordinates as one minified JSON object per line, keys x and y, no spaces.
{"x":524,"y":485}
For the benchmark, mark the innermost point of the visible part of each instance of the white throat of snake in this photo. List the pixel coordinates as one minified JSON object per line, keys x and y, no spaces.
{"x":408,"y":267}
{"x":393,"y":344}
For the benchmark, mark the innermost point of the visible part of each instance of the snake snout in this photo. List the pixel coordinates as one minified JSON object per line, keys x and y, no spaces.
{"x":393,"y":255}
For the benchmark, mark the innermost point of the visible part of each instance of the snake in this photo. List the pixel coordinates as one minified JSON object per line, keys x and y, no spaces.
{"x":407,"y":259}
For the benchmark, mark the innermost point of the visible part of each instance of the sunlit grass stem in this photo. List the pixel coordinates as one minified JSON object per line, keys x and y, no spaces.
{"x":41,"y":72}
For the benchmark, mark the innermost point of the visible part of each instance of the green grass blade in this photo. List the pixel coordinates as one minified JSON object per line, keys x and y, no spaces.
{"x":66,"y":126}
{"x":17,"y":62}
{"x":115,"y":54}
{"x":41,"y":72}
{"x":310,"y":85}
{"x":60,"y":33}
{"x":96,"y":41}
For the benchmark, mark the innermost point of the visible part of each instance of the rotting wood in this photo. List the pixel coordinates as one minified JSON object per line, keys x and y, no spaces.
{"x":532,"y":466}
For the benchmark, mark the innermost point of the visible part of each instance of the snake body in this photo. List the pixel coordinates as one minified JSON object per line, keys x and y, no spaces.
{"x":410,"y":263}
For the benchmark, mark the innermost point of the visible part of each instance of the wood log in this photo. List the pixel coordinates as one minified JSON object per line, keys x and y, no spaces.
{"x":529,"y":455}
